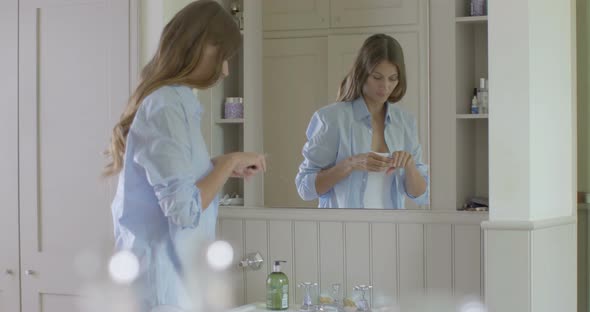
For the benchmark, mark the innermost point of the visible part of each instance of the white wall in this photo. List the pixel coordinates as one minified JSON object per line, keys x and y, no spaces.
{"x":151,"y":25}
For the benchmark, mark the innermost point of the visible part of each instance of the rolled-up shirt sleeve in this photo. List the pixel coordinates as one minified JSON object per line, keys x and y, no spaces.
{"x":319,"y":152}
{"x":416,"y":152}
{"x":164,"y":151}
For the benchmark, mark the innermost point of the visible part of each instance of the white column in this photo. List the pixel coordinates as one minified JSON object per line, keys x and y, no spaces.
{"x":253,"y":141}
{"x":530,"y":247}
{"x":532,"y":120}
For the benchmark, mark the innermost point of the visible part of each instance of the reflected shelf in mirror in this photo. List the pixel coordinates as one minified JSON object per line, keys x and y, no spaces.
{"x":230,"y":121}
{"x":472,"y":116}
{"x":471,"y":19}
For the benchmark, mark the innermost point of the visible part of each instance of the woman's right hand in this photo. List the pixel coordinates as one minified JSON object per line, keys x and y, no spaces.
{"x":247,"y":164}
{"x":242,"y":165}
{"x":370,"y":162}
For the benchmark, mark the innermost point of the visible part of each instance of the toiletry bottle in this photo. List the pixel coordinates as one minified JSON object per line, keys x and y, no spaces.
{"x":482,"y":96}
{"x":277,"y":288}
{"x":474,"y":107}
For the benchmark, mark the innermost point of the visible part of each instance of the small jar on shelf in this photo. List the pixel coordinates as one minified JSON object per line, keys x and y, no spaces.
{"x":482,"y":96}
{"x":474,"y":106}
{"x":478,"y":7}
{"x":234,"y":108}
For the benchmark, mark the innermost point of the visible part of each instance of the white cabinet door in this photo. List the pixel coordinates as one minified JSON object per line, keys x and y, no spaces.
{"x":73,"y":85}
{"x":342,"y":51}
{"x":295,"y":75}
{"x":9,"y":255}
{"x":355,"y":13}
{"x":294,"y":15}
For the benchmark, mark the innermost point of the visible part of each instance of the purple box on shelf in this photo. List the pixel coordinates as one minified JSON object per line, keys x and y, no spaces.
{"x":234,"y":108}
{"x":478,"y":8}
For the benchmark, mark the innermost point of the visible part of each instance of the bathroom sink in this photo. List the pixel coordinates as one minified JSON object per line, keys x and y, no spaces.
{"x":261,"y":307}
{"x":258,"y":307}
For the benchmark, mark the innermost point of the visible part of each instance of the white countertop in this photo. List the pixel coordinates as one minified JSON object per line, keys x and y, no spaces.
{"x":261,"y":307}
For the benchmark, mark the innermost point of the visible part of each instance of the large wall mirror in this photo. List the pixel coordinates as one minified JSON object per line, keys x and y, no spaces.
{"x":309,"y":47}
{"x":304,"y":49}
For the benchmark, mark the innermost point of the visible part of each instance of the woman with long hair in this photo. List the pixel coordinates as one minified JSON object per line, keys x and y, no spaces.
{"x":363,"y":151}
{"x":167,"y":190}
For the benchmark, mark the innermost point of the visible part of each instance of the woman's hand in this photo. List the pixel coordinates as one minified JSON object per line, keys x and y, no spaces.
{"x":225,"y":166}
{"x":401,"y":159}
{"x":370,"y":162}
{"x":248,"y":164}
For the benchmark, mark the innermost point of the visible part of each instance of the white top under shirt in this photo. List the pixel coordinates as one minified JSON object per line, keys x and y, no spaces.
{"x":378,"y":191}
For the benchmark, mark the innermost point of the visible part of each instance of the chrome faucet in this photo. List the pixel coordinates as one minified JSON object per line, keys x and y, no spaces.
{"x":252,"y":261}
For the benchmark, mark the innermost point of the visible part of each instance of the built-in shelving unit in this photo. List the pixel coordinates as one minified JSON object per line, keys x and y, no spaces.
{"x":244,"y":134}
{"x":471,"y":64}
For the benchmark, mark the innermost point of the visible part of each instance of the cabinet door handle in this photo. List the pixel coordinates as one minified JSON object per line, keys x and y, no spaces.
{"x":9,"y":272}
{"x":30,"y":272}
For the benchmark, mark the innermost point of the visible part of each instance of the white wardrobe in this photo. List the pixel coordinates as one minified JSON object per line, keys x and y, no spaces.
{"x":64,"y":79}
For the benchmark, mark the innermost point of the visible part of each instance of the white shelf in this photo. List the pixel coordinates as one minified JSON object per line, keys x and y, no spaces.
{"x":460,"y":209}
{"x":471,"y":19}
{"x":230,"y":121}
{"x":232,"y":206}
{"x":472,"y":116}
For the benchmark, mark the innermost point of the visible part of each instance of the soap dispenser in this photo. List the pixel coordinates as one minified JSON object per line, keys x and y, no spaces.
{"x":277,"y":288}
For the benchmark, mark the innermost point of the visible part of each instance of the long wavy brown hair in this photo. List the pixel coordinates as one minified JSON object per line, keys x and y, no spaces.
{"x":375,"y":49}
{"x":181,"y":49}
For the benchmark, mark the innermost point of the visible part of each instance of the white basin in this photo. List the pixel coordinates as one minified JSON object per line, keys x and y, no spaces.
{"x":258,"y":307}
{"x":261,"y":307}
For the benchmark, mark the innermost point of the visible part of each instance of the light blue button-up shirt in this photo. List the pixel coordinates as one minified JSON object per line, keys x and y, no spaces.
{"x":157,"y":210}
{"x":342,"y":130}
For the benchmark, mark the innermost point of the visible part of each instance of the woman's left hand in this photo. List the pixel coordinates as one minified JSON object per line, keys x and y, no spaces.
{"x":401,"y":159}
{"x":249,"y":165}
{"x":245,"y":172}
